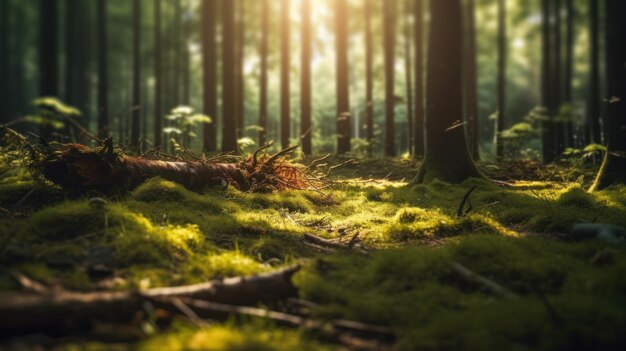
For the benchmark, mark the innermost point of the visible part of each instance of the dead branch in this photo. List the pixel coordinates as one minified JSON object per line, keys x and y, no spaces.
{"x":477,"y":279}
{"x":461,"y":211}
{"x":319,"y":241}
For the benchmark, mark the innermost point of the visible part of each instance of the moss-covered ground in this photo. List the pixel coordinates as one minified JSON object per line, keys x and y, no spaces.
{"x":568,"y":293}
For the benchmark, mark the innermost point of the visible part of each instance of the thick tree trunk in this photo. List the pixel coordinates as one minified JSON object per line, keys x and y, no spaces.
{"x":369,"y":82}
{"x":343,"y":95}
{"x":418,"y":134}
{"x":103,"y":85}
{"x":592,"y":127}
{"x":263,"y":68}
{"x":613,"y":170}
{"x":229,"y":103}
{"x":137,"y":108}
{"x":285,"y":63}
{"x":502,"y":42}
{"x":158,"y":76}
{"x":447,"y":156}
{"x":209,"y":71}
{"x":305,"y":81}
{"x":390,"y":45}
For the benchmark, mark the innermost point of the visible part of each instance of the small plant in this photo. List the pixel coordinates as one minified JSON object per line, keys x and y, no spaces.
{"x":183,"y":123}
{"x":590,"y":154}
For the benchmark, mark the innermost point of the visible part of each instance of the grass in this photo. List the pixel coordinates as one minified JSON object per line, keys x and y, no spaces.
{"x":570,"y":294}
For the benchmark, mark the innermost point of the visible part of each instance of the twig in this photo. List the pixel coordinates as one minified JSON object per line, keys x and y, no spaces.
{"x":256,"y":153}
{"x":460,"y":212}
{"x":475,"y":278}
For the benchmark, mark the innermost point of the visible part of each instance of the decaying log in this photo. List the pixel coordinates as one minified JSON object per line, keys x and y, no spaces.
{"x":59,"y":310}
{"x":78,"y":167}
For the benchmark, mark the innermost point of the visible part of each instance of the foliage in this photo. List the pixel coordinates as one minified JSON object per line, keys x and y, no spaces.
{"x":183,"y":122}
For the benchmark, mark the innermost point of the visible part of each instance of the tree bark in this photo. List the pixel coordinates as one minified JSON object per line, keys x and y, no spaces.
{"x":285,"y":63}
{"x":389,"y":44}
{"x":305,"y":81}
{"x":369,"y":82}
{"x":547,"y":67}
{"x":48,"y":53}
{"x":4,"y":59}
{"x":158,"y":76}
{"x":472,"y":115}
{"x":447,"y":156}
{"x":567,"y":79}
{"x":613,"y":170}
{"x":263,"y":78}
{"x":501,"y":120}
{"x":135,"y":129}
{"x":209,"y":71}
{"x":103,"y":84}
{"x":343,"y":94}
{"x":418,"y":134}
{"x":240,"y":82}
{"x":408,"y":78}
{"x":229,"y":103}
{"x":592,"y":129}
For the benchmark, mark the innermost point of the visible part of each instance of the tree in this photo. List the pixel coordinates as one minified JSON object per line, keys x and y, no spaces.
{"x":501,"y":120}
{"x":229,"y":103}
{"x":592,"y":127}
{"x":613,"y":169}
{"x":103,"y":84}
{"x":209,"y":70}
{"x":137,"y":108}
{"x":369,"y":84}
{"x":285,"y":63}
{"x":158,"y":76}
{"x":471,"y":89}
{"x":447,"y":156}
{"x":77,"y":53}
{"x":343,"y":96}
{"x":408,"y":78}
{"x":390,"y":45}
{"x":240,"y":81}
{"x":547,"y":89}
{"x":49,"y":52}
{"x":418,"y":134}
{"x":263,"y":78}
{"x":4,"y":58}
{"x":569,"y":68}
{"x":305,"y":81}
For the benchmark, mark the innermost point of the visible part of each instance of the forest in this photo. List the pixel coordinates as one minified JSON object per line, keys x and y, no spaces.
{"x":312,"y":175}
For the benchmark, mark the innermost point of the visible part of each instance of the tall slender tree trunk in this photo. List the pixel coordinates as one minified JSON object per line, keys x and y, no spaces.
{"x":369,"y":82}
{"x":158,"y":76}
{"x":209,"y":70}
{"x":557,"y":79}
{"x":408,"y":77}
{"x":447,"y":156}
{"x":241,"y":89}
{"x":285,"y":63}
{"x":263,"y":82}
{"x":229,"y":131}
{"x":569,"y":62}
{"x":389,"y":44}
{"x":305,"y":81}
{"x":103,"y":84}
{"x":613,"y":170}
{"x":177,"y":43}
{"x":547,"y":67}
{"x":4,"y":60}
{"x":49,"y":49}
{"x":501,"y":120}
{"x":418,"y":134}
{"x":343,"y":94}
{"x":472,"y":82}
{"x":135,"y":129}
{"x":186,"y":57}
{"x":592,"y":129}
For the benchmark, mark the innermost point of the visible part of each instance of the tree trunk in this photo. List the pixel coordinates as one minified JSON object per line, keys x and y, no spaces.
{"x":471,"y":83}
{"x":103,"y":85}
{"x":447,"y":156}
{"x":158,"y":76}
{"x":418,"y":134}
{"x":369,"y":83}
{"x":241,"y":89}
{"x":613,"y":170}
{"x":305,"y":91}
{"x":557,"y":80}
{"x":4,"y":59}
{"x":229,"y":131}
{"x":343,"y":94}
{"x":48,"y":53}
{"x":390,"y":45}
{"x":569,"y":63}
{"x":501,"y":120}
{"x":209,"y":70}
{"x":547,"y":67}
{"x":592,"y":129}
{"x":285,"y":63}
{"x":408,"y":78}
{"x":263,"y":68}
{"x":137,"y":108}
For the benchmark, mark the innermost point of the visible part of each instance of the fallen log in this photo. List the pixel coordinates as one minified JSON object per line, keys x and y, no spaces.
{"x":78,"y":167}
{"x":57,"y":311}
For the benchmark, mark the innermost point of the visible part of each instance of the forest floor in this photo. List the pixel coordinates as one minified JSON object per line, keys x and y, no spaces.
{"x":511,"y":273}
